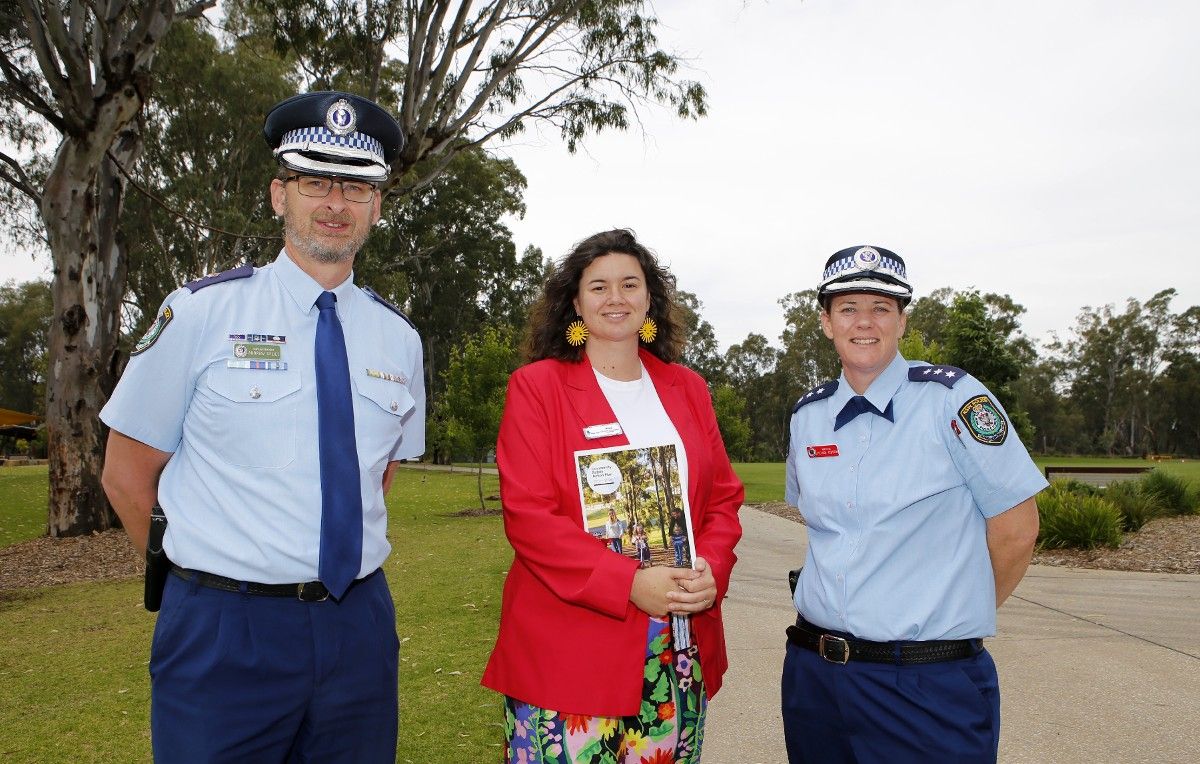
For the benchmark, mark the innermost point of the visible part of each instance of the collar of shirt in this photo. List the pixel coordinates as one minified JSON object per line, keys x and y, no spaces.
{"x":879,"y":394}
{"x":305,"y":290}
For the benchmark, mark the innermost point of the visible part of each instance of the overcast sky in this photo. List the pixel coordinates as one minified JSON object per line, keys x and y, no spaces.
{"x":1049,"y":150}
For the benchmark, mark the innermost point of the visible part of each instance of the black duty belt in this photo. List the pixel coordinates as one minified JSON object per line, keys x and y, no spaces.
{"x":838,"y":649}
{"x":308,"y":591}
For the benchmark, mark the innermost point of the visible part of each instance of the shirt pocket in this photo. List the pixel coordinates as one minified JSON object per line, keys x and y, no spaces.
{"x":255,"y":416}
{"x":384,"y":405}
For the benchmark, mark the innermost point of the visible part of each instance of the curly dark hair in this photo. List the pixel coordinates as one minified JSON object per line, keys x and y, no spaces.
{"x":554,"y":309}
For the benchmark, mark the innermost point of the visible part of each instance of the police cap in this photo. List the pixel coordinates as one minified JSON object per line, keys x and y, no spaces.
{"x":335,"y":134}
{"x":869,"y":269}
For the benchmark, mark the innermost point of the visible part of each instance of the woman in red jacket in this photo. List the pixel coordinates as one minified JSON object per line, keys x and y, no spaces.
{"x":587,"y":660}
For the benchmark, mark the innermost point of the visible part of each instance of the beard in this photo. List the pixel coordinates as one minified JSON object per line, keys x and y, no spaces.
{"x":299,"y":233}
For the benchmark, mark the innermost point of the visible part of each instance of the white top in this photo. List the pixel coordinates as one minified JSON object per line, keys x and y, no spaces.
{"x":642,"y":416}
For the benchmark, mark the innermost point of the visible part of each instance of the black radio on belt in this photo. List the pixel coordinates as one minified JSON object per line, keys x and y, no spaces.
{"x":157,"y":564}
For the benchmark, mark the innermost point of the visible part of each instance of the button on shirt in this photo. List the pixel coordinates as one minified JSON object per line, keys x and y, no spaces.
{"x":897,"y":545}
{"x":242,"y":490}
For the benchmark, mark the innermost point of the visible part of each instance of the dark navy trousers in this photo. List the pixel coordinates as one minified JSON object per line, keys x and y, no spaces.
{"x":868,"y":713}
{"x":245,"y":678}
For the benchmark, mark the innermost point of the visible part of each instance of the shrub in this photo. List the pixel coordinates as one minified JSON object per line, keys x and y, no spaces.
{"x":1074,"y":486}
{"x":1170,"y":491}
{"x":1135,"y":505}
{"x":1071,"y":520}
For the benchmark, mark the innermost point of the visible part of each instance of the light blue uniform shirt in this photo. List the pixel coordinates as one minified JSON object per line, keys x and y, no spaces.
{"x":897,"y":545}
{"x":242,"y":490}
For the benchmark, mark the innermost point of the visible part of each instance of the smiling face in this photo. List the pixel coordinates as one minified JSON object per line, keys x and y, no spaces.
{"x":866,"y":330}
{"x":323,"y":230}
{"x":612,"y":298}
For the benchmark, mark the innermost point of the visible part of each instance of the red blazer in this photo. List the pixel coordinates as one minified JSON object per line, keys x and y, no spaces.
{"x":570,"y":640}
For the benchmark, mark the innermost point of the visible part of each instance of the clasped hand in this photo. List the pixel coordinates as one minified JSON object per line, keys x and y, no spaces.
{"x":662,"y":590}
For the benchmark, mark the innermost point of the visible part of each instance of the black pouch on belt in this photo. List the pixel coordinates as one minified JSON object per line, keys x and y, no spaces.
{"x":157,"y":564}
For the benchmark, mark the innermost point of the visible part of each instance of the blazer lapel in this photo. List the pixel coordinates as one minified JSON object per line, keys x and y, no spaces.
{"x":591,"y":407}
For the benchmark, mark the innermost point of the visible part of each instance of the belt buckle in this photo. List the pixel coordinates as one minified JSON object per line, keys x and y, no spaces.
{"x":311,"y":591}
{"x":823,"y":643}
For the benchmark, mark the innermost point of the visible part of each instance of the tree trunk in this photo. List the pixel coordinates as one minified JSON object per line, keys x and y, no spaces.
{"x":479,"y":480}
{"x":81,"y":207}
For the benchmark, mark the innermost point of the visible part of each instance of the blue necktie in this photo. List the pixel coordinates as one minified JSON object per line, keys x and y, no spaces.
{"x":341,"y":497}
{"x":859,"y":405}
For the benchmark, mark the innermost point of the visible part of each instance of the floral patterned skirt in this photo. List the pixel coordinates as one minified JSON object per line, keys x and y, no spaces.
{"x":669,"y":729}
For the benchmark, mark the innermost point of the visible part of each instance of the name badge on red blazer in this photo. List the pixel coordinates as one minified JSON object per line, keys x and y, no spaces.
{"x":816,"y":452}
{"x":596,"y":431}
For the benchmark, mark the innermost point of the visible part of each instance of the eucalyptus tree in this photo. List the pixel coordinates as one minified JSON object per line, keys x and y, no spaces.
{"x":75,"y":75}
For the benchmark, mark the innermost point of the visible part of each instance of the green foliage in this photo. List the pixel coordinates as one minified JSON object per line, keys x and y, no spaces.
{"x":1077,"y":487}
{"x":204,"y":162}
{"x":1171,"y":492}
{"x":700,"y":350}
{"x":25,"y":311}
{"x":975,"y":342}
{"x":475,"y":382}
{"x":1071,"y":520}
{"x":445,"y":254}
{"x":730,"y":408}
{"x":752,"y":368}
{"x":914,"y":347}
{"x":1135,"y":505}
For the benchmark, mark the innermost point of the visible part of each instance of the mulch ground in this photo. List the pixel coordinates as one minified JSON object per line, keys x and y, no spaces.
{"x":1169,"y":545}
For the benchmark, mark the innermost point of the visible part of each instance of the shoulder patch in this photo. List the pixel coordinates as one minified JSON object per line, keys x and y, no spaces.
{"x":375,"y":296}
{"x":823,"y":390}
{"x":947,"y":375}
{"x":154,"y":332}
{"x":240,"y":272}
{"x":984,"y":420}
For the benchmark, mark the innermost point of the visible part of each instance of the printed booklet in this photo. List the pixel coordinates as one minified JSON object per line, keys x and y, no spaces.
{"x":635,"y":503}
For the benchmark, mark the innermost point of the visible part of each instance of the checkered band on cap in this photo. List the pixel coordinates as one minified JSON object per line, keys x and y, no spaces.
{"x":886,"y":265}
{"x":318,"y":149}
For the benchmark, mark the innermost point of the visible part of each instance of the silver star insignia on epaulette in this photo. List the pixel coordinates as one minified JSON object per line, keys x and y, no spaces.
{"x":927,"y":369}
{"x":949,"y":374}
{"x":937,"y":372}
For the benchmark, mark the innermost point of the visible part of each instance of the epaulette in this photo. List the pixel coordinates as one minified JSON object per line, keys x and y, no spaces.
{"x":375,"y":296}
{"x":240,"y":272}
{"x":947,"y":375}
{"x":823,"y":390}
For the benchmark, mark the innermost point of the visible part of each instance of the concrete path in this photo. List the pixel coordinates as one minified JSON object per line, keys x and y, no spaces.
{"x":1095,"y":666}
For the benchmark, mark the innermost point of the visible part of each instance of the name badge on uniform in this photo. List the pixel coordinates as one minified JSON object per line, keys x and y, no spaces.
{"x":816,"y":452}
{"x":602,"y":430}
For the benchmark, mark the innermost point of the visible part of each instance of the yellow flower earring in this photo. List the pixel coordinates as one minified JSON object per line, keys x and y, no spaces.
{"x":648,"y":330}
{"x":577,"y":333}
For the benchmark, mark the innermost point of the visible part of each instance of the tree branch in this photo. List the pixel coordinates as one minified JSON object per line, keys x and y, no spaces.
{"x":17,"y":178}
{"x":180,"y":215}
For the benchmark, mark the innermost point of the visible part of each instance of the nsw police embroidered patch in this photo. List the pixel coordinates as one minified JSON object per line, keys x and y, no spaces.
{"x":154,"y":332}
{"x":984,"y":420}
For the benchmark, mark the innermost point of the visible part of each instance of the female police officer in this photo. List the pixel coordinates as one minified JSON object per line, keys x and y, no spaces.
{"x":919,"y":503}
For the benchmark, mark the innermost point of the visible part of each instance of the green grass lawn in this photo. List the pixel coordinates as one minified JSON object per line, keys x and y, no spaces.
{"x":22,"y":503}
{"x":73,"y":681}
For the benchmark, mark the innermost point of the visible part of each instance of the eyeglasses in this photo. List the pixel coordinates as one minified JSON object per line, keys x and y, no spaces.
{"x":318,"y":187}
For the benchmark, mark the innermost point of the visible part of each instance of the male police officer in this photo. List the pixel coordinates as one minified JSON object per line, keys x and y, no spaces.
{"x":919,"y":504}
{"x":265,"y":411}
